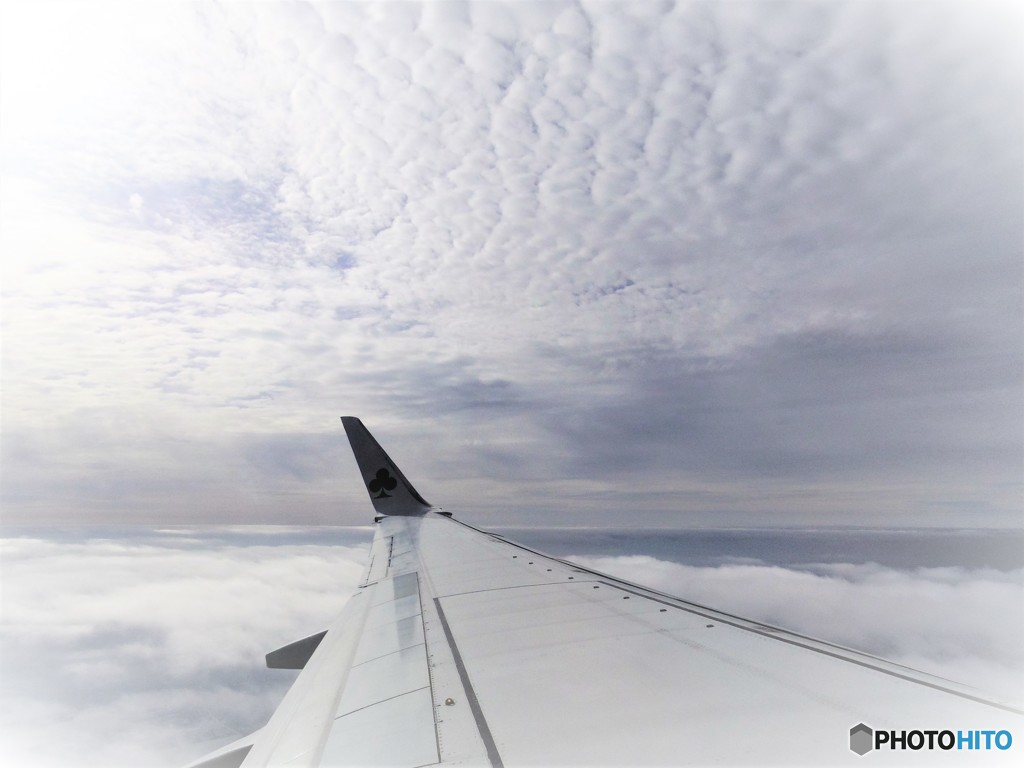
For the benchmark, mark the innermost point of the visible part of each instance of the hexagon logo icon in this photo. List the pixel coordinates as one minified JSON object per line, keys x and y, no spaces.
{"x":861,"y":739}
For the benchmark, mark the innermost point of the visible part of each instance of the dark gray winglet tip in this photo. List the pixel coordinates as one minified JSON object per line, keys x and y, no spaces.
{"x":390,"y":492}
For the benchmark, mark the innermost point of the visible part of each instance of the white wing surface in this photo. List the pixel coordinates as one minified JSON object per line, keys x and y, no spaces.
{"x":464,"y":648}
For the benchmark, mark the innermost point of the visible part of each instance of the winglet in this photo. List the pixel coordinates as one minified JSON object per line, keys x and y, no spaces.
{"x":390,"y":492}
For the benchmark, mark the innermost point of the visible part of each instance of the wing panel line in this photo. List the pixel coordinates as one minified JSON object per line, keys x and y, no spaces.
{"x":515,"y":586}
{"x":474,"y":704}
{"x":390,"y":653}
{"x":375,"y":703}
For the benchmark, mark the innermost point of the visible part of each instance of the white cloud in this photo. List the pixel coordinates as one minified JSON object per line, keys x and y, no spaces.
{"x":384,"y":207}
{"x":136,"y":651}
{"x":146,"y":648}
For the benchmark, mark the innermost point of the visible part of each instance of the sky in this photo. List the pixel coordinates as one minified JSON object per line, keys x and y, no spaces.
{"x":632,"y":264}
{"x":676,"y":264}
{"x":133,"y":648}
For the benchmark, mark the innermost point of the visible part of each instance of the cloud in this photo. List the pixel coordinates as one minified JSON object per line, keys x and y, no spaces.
{"x":757,"y":243}
{"x":145,"y":647}
{"x":140,"y":649}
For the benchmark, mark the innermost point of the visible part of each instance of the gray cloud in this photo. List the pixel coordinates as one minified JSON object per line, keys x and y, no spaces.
{"x":767,"y":256}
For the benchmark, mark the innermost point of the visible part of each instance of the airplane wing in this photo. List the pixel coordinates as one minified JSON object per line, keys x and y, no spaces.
{"x":463,"y":648}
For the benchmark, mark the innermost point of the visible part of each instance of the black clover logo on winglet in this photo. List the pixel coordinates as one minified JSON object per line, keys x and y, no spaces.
{"x":383,"y":482}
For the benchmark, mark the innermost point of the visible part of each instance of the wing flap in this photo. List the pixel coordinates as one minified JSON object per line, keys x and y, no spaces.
{"x":396,"y":732}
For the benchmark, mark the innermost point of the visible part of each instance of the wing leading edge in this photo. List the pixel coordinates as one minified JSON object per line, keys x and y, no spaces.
{"x":463,"y":648}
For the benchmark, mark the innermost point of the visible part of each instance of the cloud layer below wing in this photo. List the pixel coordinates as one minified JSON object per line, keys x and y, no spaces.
{"x":135,"y":648}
